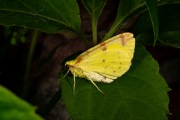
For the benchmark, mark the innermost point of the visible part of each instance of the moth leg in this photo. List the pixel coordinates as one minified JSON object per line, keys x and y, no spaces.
{"x":74,"y":85}
{"x":95,"y":84}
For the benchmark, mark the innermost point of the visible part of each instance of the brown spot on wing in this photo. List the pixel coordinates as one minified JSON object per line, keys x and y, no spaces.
{"x":125,"y":38}
{"x":103,"y":46}
{"x":87,"y":52}
{"x":80,"y":57}
{"x":119,"y":66}
{"x":122,"y":39}
{"x":103,"y":60}
{"x":78,"y":60}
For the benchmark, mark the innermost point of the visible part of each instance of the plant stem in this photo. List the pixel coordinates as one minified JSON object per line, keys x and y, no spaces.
{"x":27,"y":83}
{"x":94,"y":29}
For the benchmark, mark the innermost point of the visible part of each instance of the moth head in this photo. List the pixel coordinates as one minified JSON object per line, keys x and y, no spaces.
{"x":73,"y":67}
{"x":70,"y":63}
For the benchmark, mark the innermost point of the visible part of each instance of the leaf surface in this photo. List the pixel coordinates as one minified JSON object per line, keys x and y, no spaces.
{"x":140,"y":94}
{"x":45,"y":15}
{"x":14,"y":108}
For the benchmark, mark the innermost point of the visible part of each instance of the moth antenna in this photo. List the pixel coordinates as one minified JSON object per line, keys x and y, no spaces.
{"x":74,"y":83}
{"x":95,"y":85}
{"x":65,"y":74}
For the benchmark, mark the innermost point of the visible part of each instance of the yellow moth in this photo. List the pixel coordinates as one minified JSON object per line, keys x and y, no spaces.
{"x":105,"y":61}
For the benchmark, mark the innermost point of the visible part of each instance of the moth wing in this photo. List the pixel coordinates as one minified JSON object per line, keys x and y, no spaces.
{"x":111,"y":58}
{"x":123,"y":39}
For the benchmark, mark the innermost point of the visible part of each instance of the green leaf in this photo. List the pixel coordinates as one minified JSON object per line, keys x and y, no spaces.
{"x":126,"y":9}
{"x":14,"y":108}
{"x":140,"y":94}
{"x":170,"y":38}
{"x":152,"y":9}
{"x":145,"y":38}
{"x":94,"y":8}
{"x":169,"y":18}
{"x":143,"y":24}
{"x":45,"y":15}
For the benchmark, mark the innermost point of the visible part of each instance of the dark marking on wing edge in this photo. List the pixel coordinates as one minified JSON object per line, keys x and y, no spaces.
{"x":87,"y":52}
{"x":122,"y":37}
{"x":103,"y":46}
{"x":78,"y":60}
